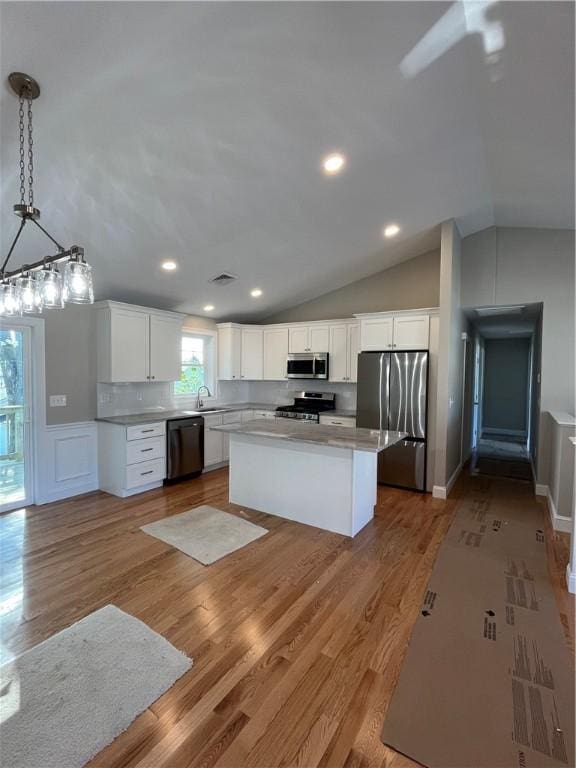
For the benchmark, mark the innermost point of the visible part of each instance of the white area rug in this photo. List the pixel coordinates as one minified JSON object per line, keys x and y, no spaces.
{"x":64,"y":700}
{"x":205,"y":533}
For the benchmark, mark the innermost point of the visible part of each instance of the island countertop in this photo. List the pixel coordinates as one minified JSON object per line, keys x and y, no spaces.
{"x":356,"y":439}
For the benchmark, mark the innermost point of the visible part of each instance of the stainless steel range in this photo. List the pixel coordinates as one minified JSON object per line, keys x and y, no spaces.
{"x":308,"y":406}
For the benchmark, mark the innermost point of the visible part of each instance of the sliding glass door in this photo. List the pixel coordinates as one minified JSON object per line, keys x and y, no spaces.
{"x":15,"y":453}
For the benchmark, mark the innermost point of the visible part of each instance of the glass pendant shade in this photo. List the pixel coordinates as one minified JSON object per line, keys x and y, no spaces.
{"x":78,"y":288}
{"x":51,"y":288}
{"x":30,"y":296}
{"x":10,"y":302}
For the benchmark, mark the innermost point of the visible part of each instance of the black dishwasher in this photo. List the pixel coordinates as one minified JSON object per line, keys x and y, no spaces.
{"x":185,"y":447}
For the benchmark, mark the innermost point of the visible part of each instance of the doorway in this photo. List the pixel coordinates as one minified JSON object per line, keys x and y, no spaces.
{"x":16,"y":470}
{"x":506,"y":377}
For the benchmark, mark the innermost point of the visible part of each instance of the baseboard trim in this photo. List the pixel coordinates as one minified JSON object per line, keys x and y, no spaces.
{"x":559,"y":522}
{"x":443,"y":491}
{"x":68,"y":493}
{"x":571,"y":580}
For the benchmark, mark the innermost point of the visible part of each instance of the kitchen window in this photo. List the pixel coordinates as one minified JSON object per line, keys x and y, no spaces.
{"x":196,"y":364}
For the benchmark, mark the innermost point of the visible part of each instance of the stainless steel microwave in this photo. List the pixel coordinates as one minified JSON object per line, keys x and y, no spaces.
{"x":307,"y":365}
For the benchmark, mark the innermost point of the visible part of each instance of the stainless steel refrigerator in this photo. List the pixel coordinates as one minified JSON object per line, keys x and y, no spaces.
{"x":392,"y":394}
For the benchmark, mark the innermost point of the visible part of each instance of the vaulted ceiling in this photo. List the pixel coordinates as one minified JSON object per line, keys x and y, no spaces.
{"x":194,"y":131}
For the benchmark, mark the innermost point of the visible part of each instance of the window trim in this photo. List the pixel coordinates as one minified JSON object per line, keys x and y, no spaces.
{"x":189,"y":396}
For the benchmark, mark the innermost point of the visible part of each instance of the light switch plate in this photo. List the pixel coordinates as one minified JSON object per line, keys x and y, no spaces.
{"x":57,"y":400}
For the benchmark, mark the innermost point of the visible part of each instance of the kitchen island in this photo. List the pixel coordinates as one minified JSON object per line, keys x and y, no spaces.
{"x":324,"y":476}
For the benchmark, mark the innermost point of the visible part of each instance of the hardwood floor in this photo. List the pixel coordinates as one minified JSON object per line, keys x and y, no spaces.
{"x":297,"y":640}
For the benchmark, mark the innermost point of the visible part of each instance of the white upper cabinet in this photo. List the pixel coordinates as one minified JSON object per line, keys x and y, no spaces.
{"x":312,"y":338}
{"x":298,"y":339}
{"x":338,"y":351}
{"x":405,"y":330}
{"x":411,"y":331}
{"x":319,"y":338}
{"x":376,"y":334}
{"x":275,"y":353}
{"x":343,"y":360}
{"x":229,"y":352}
{"x":252,"y":366}
{"x":165,"y":348}
{"x":353,"y":350}
{"x":136,"y":344}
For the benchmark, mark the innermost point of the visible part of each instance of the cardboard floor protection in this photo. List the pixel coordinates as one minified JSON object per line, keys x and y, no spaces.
{"x":487,"y":681}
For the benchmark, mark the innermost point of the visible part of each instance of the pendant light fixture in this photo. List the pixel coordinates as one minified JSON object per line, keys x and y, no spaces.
{"x":36,"y":286}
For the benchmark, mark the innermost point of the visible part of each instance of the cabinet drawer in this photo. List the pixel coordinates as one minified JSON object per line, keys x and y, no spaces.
{"x":145,"y":472}
{"x":338,"y":421}
{"x":145,"y":449}
{"x":231,"y":418}
{"x":246,"y":416}
{"x":138,"y":431}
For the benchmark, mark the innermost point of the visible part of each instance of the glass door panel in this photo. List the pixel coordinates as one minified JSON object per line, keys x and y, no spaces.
{"x":14,"y":417}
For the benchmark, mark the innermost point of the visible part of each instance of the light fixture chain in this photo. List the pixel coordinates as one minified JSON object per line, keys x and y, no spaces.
{"x":30,"y":157}
{"x":22,"y":165}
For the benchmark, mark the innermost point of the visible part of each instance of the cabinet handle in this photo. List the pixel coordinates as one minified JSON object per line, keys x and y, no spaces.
{"x":146,"y":430}
{"x":339,"y":423}
{"x":145,"y":450}
{"x":153,"y":377}
{"x":150,"y":472}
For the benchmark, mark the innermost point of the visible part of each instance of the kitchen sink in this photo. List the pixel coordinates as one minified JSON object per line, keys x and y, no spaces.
{"x":204,"y":410}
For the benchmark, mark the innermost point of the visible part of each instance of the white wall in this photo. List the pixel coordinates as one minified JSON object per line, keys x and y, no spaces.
{"x":509,"y":265}
{"x":450,"y":362}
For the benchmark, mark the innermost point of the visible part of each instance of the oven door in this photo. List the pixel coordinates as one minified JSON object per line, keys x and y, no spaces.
{"x":300,"y":366}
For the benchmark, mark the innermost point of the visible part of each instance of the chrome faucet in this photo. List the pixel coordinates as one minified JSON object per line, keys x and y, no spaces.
{"x":199,"y":403}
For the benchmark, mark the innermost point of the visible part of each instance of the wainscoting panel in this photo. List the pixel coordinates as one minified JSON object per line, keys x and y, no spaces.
{"x":68,"y":461}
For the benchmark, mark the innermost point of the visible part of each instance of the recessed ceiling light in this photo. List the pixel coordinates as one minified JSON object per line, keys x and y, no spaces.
{"x":256,"y":292}
{"x":391,"y":230}
{"x":169,"y":265}
{"x":333,"y":163}
{"x":208,"y":307}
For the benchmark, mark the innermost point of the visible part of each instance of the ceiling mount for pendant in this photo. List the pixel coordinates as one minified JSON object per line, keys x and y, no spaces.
{"x":24,"y":85}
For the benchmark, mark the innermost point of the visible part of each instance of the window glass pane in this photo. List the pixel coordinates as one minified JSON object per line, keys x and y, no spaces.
{"x":196,"y":360}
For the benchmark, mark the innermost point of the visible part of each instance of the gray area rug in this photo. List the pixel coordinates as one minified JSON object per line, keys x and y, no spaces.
{"x":205,"y":533}
{"x":64,"y":700}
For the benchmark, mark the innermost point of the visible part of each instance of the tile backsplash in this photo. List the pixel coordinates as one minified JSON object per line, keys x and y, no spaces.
{"x":121,"y":399}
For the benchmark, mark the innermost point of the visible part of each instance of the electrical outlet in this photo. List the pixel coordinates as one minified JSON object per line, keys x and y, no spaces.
{"x":139,"y":395}
{"x":57,"y":401}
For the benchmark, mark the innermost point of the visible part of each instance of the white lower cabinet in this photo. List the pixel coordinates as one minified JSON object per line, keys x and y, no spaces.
{"x":131,"y":459}
{"x":213,"y":449}
{"x":337,"y":421}
{"x":216,"y":444}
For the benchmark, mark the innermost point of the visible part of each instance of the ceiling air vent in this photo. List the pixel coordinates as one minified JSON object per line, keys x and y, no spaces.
{"x":223,"y":279}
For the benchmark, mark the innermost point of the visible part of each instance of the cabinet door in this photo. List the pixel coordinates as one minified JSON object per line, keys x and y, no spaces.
{"x":252,"y":354}
{"x":411,"y":332}
{"x":298,"y":339}
{"x":213,"y":441}
{"x":129,"y":345}
{"x":275,"y":353}
{"x":229,"y":353}
{"x":165,"y":348}
{"x":319,"y":338}
{"x":376,"y":334}
{"x":338,"y":350}
{"x":353,"y":349}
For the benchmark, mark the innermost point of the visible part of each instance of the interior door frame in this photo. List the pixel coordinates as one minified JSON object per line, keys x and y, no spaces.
{"x":37,"y":396}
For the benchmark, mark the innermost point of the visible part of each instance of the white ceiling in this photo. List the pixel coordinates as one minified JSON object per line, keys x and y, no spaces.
{"x":194,"y":131}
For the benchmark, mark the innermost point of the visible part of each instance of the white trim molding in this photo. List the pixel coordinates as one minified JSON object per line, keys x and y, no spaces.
{"x":559,"y":522}
{"x":570,"y":579}
{"x":69,"y":461}
{"x":443,"y":491}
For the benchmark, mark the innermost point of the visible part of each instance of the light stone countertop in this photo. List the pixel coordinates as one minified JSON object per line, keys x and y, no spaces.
{"x":165,"y":415}
{"x":369,"y":440}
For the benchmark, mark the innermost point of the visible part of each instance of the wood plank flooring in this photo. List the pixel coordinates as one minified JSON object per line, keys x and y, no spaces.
{"x":297,"y":640}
